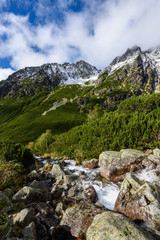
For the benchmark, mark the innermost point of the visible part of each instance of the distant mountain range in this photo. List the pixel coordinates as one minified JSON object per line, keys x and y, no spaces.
{"x":75,"y":89}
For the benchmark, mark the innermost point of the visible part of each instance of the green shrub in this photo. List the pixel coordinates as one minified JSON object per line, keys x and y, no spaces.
{"x":16,"y":152}
{"x":42,"y":144}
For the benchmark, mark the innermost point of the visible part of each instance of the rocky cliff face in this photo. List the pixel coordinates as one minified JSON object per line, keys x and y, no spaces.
{"x":135,"y":68}
{"x":136,"y":72}
{"x":31,"y":80}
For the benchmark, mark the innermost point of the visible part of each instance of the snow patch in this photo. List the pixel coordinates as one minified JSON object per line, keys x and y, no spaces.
{"x":56,"y":105}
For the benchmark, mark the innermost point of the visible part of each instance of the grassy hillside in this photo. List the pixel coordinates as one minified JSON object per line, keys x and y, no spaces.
{"x":135,"y":124}
{"x":22,"y":120}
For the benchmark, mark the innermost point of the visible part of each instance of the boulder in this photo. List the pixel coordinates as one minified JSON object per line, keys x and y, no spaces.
{"x":90,"y":194}
{"x":93,"y":163}
{"x":30,"y":231}
{"x":79,"y":217}
{"x":57,"y":171}
{"x":139,"y":200}
{"x":28,"y":195}
{"x":114,"y":165}
{"x":110,"y":225}
{"x":23,"y":218}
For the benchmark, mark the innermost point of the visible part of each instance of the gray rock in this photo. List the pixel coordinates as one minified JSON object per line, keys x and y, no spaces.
{"x":57,"y":171}
{"x":156,"y":153}
{"x":24,"y":217}
{"x":56,"y":191}
{"x":90,"y":194}
{"x":34,"y":175}
{"x":114,"y":165}
{"x":139,"y":200}
{"x":28,"y":195}
{"x":110,"y":225}
{"x":68,"y":179}
{"x":60,"y":208}
{"x":30,"y":231}
{"x":79,"y":217}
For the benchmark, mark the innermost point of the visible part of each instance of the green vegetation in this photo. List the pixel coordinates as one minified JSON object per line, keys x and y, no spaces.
{"x":135,"y":124}
{"x":22,"y":120}
{"x":15,"y":162}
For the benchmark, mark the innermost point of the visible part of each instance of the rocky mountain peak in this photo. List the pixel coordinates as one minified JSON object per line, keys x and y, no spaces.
{"x":130,"y":52}
{"x":30,"y":80}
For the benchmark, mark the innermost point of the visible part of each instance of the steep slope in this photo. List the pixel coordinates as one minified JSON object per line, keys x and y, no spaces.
{"x":61,"y":96}
{"x":134,"y":73}
{"x":32,"y":80}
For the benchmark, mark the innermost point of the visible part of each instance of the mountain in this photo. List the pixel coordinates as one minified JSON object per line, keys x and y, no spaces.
{"x":31,"y":80}
{"x":61,"y":96}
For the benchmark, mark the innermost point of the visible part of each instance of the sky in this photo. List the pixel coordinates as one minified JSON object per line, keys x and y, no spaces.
{"x":34,"y":32}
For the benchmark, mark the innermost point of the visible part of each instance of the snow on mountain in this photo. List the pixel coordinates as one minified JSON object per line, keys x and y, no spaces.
{"x":67,"y":73}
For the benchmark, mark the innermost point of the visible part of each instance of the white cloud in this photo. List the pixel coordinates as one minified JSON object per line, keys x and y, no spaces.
{"x":103,"y":30}
{"x":4,"y":73}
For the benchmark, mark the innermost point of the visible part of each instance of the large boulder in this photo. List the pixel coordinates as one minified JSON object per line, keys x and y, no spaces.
{"x":139,"y":200}
{"x":79,"y":217}
{"x":114,"y":165}
{"x":110,"y":225}
{"x":28,"y":195}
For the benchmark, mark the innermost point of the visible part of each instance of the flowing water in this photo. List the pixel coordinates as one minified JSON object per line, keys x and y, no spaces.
{"x":107,"y":192}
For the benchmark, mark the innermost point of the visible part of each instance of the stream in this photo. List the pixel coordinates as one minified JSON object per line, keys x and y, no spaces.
{"x":107,"y":191}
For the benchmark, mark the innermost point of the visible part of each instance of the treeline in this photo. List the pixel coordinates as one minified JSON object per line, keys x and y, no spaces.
{"x":135,"y":124}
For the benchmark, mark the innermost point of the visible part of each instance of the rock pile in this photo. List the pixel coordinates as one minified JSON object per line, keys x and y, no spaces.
{"x":53,"y":206}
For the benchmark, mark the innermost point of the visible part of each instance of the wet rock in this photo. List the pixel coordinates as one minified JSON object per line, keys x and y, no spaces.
{"x":23,"y":218}
{"x":90,"y":194}
{"x":114,"y":165}
{"x":57,"y":171}
{"x":30,"y":231}
{"x":28,"y":195}
{"x":93,"y":163}
{"x":139,"y":200}
{"x":79,"y":217}
{"x":110,"y":225}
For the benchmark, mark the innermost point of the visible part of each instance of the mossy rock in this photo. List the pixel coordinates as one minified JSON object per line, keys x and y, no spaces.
{"x":110,"y":225}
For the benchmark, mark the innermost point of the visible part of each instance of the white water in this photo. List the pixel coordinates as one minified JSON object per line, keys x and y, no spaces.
{"x":148,"y":174}
{"x":107,"y":192}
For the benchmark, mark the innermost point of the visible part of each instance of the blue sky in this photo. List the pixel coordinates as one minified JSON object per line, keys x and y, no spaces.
{"x":34,"y":32}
